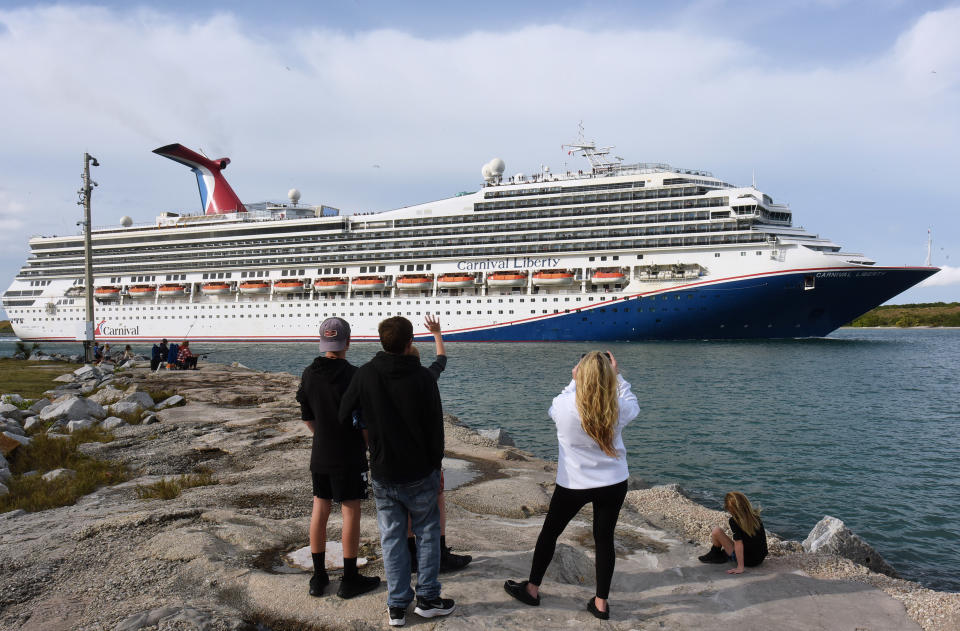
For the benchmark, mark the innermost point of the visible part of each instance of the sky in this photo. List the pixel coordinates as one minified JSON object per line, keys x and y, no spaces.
{"x":845,"y":109}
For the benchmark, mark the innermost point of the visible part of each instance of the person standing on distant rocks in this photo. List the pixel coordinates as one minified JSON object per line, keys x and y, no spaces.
{"x":338,"y":459}
{"x":590,"y":414}
{"x":401,"y":407}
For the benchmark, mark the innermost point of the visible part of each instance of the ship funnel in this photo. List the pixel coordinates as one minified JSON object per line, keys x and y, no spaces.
{"x":215,"y":193}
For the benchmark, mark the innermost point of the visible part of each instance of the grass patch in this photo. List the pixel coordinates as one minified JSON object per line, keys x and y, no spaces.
{"x":169,"y":488}
{"x":160,"y":395}
{"x":45,"y":454}
{"x":31,"y":379}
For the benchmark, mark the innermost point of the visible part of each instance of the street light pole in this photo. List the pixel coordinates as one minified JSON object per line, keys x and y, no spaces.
{"x":85,"y":193}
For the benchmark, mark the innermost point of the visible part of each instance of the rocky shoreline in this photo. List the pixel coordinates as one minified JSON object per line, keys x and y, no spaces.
{"x":213,"y":558}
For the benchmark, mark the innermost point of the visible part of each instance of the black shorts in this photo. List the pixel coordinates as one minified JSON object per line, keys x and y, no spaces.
{"x":340,"y":486}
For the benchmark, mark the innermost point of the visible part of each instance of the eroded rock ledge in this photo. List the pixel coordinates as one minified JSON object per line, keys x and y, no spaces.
{"x":212,"y":558}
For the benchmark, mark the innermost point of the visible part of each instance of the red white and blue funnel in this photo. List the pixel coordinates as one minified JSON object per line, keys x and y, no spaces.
{"x":215,"y":194}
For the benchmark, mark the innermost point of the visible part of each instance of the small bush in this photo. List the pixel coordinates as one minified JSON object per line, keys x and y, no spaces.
{"x":169,"y":488}
{"x":45,"y":454}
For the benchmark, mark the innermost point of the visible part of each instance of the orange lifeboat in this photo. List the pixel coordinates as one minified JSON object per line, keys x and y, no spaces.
{"x":172,"y":290}
{"x":507,"y":279}
{"x":107,"y":292}
{"x":214,"y":289}
{"x":553,"y":277}
{"x":330,"y":283}
{"x":288,"y":286}
{"x":368,"y":283}
{"x":142,"y":291}
{"x":254,"y":287}
{"x":454,"y":281}
{"x":417,"y":281}
{"x":608,"y":276}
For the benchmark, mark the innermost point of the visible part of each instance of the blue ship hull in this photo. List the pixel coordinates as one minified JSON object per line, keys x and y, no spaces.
{"x":808,"y":303}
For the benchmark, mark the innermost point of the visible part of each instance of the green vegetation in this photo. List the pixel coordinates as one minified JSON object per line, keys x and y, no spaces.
{"x":169,"y":488}
{"x":6,"y":329}
{"x":30,"y":379}
{"x":45,"y":454}
{"x":923,"y":314}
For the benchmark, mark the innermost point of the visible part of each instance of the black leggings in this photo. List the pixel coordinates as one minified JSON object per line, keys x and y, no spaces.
{"x":564,"y":505}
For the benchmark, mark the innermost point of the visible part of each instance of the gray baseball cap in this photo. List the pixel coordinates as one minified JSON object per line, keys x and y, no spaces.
{"x":334,"y":334}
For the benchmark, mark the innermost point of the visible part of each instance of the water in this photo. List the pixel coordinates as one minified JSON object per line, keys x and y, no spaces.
{"x":862,"y":425}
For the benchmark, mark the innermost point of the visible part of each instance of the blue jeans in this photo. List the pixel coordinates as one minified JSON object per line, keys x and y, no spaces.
{"x":394,"y":502}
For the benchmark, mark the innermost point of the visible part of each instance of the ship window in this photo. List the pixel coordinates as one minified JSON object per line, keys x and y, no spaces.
{"x":716,"y":255}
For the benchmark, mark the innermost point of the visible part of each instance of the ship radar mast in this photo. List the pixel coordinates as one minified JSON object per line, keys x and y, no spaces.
{"x":598,"y":156}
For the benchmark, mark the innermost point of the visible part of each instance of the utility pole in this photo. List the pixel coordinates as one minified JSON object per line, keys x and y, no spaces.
{"x":85,"y":193}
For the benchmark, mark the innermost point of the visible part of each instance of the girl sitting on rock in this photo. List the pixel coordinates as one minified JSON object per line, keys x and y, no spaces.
{"x":748,"y":547}
{"x":590,"y":414}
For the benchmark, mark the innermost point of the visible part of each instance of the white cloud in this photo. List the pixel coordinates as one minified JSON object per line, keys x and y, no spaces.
{"x":946,"y":276}
{"x":12,"y":213}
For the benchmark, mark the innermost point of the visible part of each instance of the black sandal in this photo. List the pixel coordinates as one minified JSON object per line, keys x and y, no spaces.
{"x":519,"y":591}
{"x":592,"y":608}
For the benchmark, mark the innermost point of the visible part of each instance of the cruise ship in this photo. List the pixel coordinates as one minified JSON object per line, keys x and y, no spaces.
{"x":612,"y":252}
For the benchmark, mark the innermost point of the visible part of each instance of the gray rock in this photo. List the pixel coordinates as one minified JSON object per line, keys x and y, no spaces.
{"x":499,"y":435}
{"x":16,"y":399}
{"x":85,"y":372}
{"x":73,"y":409}
{"x":73,"y":426}
{"x":3,"y":462}
{"x":832,"y":536}
{"x":3,"y":489}
{"x":168,"y":617}
{"x":67,"y":378}
{"x":23,"y":440}
{"x":30,"y":474}
{"x":59,"y":474}
{"x":5,"y":474}
{"x":10,"y":425}
{"x":112,"y":422}
{"x":170,"y":402}
{"x":32,"y":422}
{"x":88,"y":387}
{"x":6,"y":408}
{"x":125,"y":408}
{"x":107,"y":396}
{"x":39,"y":405}
{"x":142,"y":398}
{"x":13,"y":514}
{"x":150,"y":419}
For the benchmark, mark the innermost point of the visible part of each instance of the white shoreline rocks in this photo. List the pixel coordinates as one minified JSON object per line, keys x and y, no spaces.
{"x":212,"y":558}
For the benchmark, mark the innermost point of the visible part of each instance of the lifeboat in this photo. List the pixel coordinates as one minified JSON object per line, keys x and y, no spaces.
{"x":142,"y":291}
{"x":418,"y":281}
{"x":507,"y":279}
{"x":214,"y":289}
{"x":454,"y":281}
{"x":76,"y":290}
{"x":607,"y":276}
{"x":254,"y":287}
{"x":330,"y":283}
{"x":552,"y":277}
{"x":107,"y":292}
{"x":287,"y":286}
{"x":368,"y":283}
{"x":172,"y":290}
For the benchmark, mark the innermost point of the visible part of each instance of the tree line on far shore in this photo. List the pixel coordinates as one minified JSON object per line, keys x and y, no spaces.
{"x":922,"y":314}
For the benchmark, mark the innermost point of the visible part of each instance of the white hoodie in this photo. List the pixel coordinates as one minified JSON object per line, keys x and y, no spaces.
{"x":582,"y":464}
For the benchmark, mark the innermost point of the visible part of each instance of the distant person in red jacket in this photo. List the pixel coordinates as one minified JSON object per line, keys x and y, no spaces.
{"x":185,"y":358}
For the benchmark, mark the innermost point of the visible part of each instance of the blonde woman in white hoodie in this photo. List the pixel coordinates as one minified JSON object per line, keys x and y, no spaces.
{"x":590,"y":414}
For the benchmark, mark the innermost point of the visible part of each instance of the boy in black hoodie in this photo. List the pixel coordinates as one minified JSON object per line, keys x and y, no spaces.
{"x":338,"y":459}
{"x":404,"y":420}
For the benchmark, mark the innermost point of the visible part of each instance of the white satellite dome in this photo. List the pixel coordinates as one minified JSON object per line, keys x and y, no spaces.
{"x":294,"y":196}
{"x":497,"y":166}
{"x":486,"y":172}
{"x":126,"y":221}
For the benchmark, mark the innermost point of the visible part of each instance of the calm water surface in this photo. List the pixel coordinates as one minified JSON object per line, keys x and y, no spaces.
{"x":863,"y":425}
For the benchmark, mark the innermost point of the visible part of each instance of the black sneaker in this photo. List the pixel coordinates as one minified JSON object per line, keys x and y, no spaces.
{"x":433,"y":607}
{"x":318,"y":582}
{"x":450,"y":562}
{"x":357,"y":585}
{"x":716,"y":555}
{"x":398,"y":616}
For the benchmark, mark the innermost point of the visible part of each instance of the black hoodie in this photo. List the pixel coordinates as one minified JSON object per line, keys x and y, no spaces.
{"x":400,"y":406}
{"x":336,"y":447}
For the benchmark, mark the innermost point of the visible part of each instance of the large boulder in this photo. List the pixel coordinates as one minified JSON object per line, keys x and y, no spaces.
{"x":5,"y":474}
{"x":830,"y":535}
{"x":9,"y":442}
{"x":142,"y":398}
{"x":16,"y":399}
{"x":87,"y":372}
{"x":39,"y":404}
{"x":59,"y":474}
{"x":7,"y":408}
{"x":112,"y":422}
{"x":9,"y":425}
{"x":125,"y":409}
{"x":67,"y":378}
{"x":32,"y":422}
{"x":106,"y":396}
{"x":499,"y":436}
{"x":73,"y":409}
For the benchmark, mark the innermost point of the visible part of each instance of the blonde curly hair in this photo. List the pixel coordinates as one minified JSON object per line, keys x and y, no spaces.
{"x":597,"y":399}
